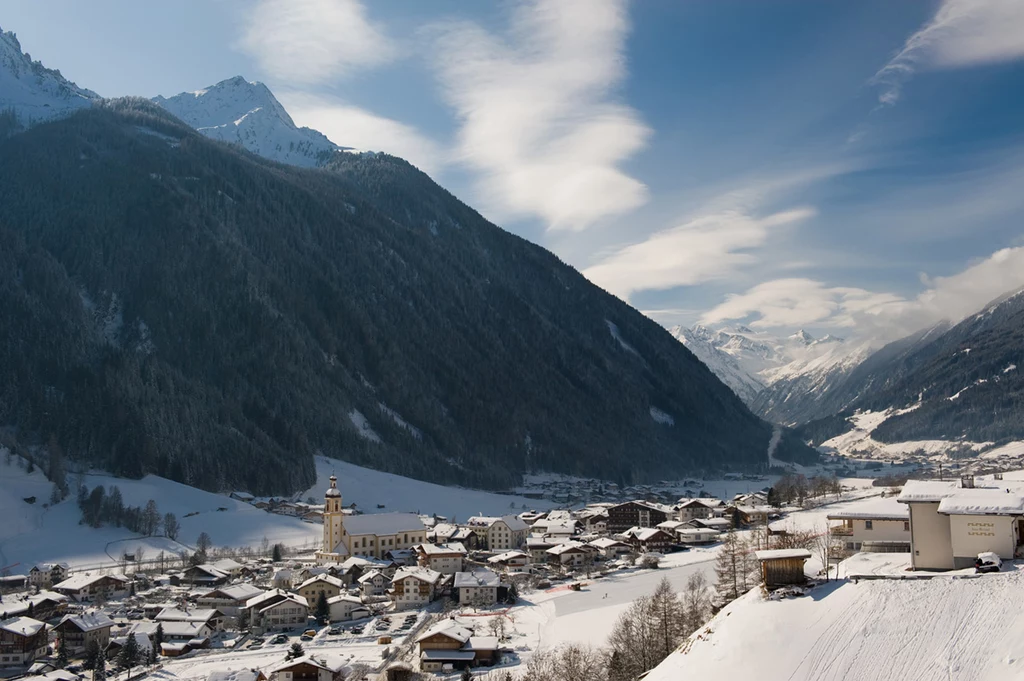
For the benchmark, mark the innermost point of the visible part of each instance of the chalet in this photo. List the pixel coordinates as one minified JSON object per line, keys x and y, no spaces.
{"x":649,"y":539}
{"x":237,"y":675}
{"x":623,"y":516}
{"x":671,"y":526}
{"x":571,"y":553}
{"x":85,"y":588}
{"x":355,"y":567}
{"x":479,"y":587}
{"x":414,"y":587}
{"x":45,"y":575}
{"x":400,"y":557}
{"x":510,"y":561}
{"x":345,"y":608}
{"x":609,"y":548}
{"x":558,"y":528}
{"x":447,"y":643}
{"x":745,"y":516}
{"x":500,"y":534}
{"x":79,"y":630}
{"x":689,"y":509}
{"x":444,"y":558}
{"x":951,"y":522}
{"x":877,"y":526}
{"x":277,"y":609}
{"x":697,"y":535}
{"x":144,"y":642}
{"x":283,"y":578}
{"x":780,"y":567}
{"x":230,"y":567}
{"x":374,"y":583}
{"x":537,"y":547}
{"x":211,"y":617}
{"x":229,"y":599}
{"x":306,"y":668}
{"x":205,"y":575}
{"x":22,"y":640}
{"x":722,"y":524}
{"x":174,"y":631}
{"x":243,"y":496}
{"x":324,"y":585}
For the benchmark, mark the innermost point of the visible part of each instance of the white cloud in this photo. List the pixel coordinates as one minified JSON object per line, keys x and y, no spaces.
{"x":351,"y":126}
{"x":703,"y":249}
{"x":537,"y":116}
{"x":304,"y":42}
{"x":962,"y":33}
{"x":790,"y":303}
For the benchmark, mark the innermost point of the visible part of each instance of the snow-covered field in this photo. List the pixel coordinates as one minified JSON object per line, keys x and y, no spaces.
{"x":858,"y":442}
{"x":964,"y":629}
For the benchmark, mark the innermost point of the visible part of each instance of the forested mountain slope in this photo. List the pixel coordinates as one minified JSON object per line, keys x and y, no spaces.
{"x":179,"y":306}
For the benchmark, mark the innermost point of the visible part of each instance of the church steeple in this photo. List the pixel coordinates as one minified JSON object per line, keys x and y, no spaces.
{"x":334,"y":528}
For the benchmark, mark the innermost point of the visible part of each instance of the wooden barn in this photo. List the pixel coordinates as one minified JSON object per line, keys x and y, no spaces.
{"x":780,"y":567}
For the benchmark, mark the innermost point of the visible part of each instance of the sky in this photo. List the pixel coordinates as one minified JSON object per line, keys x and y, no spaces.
{"x":854,"y":168}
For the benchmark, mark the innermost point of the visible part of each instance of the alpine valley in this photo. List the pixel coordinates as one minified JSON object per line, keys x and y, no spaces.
{"x":196,"y":287}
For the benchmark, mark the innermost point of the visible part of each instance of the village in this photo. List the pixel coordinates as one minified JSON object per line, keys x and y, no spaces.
{"x":402,"y":595}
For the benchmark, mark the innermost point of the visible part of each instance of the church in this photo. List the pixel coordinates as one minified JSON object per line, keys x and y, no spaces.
{"x":369,"y":536}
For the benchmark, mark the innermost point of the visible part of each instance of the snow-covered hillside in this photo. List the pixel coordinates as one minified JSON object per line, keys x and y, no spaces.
{"x":33,"y":92}
{"x":247,"y":113}
{"x":883,"y":630}
{"x":760,"y":367}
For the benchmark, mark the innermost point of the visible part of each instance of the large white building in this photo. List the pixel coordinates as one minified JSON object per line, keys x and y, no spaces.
{"x":877,"y":526}
{"x":951,"y":522}
{"x":372,"y":535}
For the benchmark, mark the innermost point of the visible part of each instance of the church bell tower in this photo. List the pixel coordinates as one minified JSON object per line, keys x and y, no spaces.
{"x":334,"y":528}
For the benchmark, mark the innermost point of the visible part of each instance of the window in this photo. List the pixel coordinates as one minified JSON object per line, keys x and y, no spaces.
{"x":869,"y":525}
{"x":906,"y":526}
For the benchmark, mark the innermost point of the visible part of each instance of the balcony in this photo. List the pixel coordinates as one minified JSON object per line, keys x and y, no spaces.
{"x":841,"y":531}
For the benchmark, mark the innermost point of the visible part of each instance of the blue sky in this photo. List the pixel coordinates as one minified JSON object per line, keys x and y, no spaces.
{"x":846,"y":167}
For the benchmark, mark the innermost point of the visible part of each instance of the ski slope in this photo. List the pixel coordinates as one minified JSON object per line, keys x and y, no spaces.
{"x":967,"y":629}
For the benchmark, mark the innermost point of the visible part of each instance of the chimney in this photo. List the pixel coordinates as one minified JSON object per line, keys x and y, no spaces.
{"x":967,"y":481}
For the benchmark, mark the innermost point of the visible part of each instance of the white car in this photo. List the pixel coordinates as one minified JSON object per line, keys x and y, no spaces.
{"x":988,"y":562}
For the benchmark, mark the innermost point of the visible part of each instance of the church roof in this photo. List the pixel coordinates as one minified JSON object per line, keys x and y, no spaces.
{"x":383,"y":523}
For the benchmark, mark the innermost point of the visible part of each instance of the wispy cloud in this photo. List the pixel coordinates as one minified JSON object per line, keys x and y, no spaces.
{"x":705,"y":249}
{"x":789,"y":303}
{"x":304,"y":42}
{"x":351,"y":126}
{"x":538,"y":119}
{"x":962,"y":33}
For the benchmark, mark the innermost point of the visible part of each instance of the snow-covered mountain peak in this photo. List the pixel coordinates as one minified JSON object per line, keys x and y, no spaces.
{"x":802,"y":337}
{"x":31,"y":91}
{"x":247,"y":113}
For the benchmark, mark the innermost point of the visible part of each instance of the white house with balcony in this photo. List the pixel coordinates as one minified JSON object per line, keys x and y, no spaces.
{"x":877,"y":526}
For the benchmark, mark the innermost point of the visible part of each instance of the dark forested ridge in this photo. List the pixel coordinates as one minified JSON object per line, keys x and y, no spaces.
{"x":966,"y":381}
{"x":173,"y":305}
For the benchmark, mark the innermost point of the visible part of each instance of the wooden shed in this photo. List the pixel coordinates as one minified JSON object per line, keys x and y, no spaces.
{"x":780,"y":567}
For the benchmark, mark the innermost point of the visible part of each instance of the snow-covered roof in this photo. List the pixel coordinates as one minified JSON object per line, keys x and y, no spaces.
{"x":781,"y":554}
{"x":238,"y":592}
{"x":478,"y":643}
{"x":371,"y":575}
{"x":274,"y":594}
{"x":698,"y":531}
{"x":448,"y":628}
{"x":982,"y":502}
{"x":305,"y":659}
{"x":211,"y":570}
{"x":477,"y":578}
{"x":607,"y":543}
{"x":441,"y":654}
{"x":567,"y":547}
{"x":507,"y":556}
{"x":882,"y":508}
{"x":84,"y":581}
{"x":345,"y":598}
{"x":179,"y":615}
{"x":643,"y":533}
{"x":22,"y":626}
{"x":383,"y":523}
{"x":926,"y":490}
{"x":234,"y":675}
{"x":421,"y":573}
{"x":177,"y":630}
{"x":333,"y":581}
{"x":442,"y":549}
{"x":89,"y":621}
{"x":227,"y":565}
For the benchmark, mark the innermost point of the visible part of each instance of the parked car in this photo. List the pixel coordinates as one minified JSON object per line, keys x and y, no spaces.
{"x":279,"y":639}
{"x":309,"y":632}
{"x":334,"y":631}
{"x":305,"y":637}
{"x":988,"y":562}
{"x":254,"y":644}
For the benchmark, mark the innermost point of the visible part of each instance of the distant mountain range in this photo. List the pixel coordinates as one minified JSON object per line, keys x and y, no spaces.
{"x":187,"y":307}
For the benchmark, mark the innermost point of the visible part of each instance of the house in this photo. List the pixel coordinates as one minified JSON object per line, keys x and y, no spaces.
{"x":571,"y":554}
{"x":277,"y":609}
{"x":306,"y":668}
{"x":743,"y":515}
{"x":355,"y":567}
{"x":22,"y":640}
{"x":722,"y":524}
{"x":510,"y":561}
{"x":237,"y":675}
{"x":374,"y":583}
{"x":697,"y":535}
{"x":780,"y":567}
{"x":325,"y":585}
{"x":230,"y":567}
{"x":500,"y":534}
{"x":878,"y":526}
{"x":86,"y":588}
{"x":345,"y":608}
{"x":174,"y":631}
{"x":283,"y":578}
{"x":609,"y":548}
{"x":212,"y":618}
{"x":204,"y":575}
{"x":372,"y":535}
{"x":117,"y":643}
{"x":81,"y":629}
{"x":623,"y":516}
{"x":558,"y":528}
{"x":413,"y":587}
{"x":45,"y":575}
{"x":13,"y":582}
{"x":448,"y":643}
{"x":479,"y":587}
{"x":444,"y":558}
{"x":951,"y":522}
{"x":690,"y":509}
{"x":229,"y":599}
{"x":649,"y":539}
